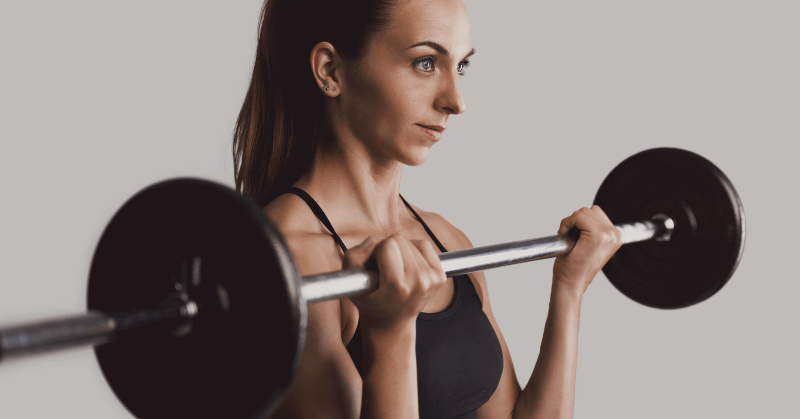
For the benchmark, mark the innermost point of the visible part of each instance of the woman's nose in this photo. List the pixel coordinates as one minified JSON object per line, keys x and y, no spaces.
{"x":450,"y":100}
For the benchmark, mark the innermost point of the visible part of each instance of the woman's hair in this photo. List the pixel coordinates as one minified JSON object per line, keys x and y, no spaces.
{"x":282,"y":118}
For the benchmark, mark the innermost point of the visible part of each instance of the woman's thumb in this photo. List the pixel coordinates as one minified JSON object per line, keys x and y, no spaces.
{"x":358,"y":255}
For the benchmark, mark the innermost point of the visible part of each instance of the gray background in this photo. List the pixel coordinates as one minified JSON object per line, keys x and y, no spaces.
{"x":99,"y":99}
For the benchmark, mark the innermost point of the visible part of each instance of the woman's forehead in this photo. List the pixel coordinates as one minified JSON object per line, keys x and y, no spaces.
{"x":444,"y":22}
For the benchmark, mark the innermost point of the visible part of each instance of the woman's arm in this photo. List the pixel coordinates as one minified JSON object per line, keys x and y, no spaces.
{"x":390,"y":373}
{"x":326,"y":383}
{"x":408,"y":271}
{"x":550,"y":391}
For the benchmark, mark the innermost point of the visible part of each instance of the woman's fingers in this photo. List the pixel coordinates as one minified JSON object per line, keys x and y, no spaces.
{"x":429,"y":259}
{"x":429,"y":254}
{"x":567,"y":223}
{"x":410,"y":273}
{"x":598,"y":241}
{"x":605,"y":232}
{"x":586,"y":219}
{"x":357,"y":256}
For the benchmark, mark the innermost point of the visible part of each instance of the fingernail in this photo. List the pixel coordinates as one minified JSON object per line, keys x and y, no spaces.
{"x":366,"y":243}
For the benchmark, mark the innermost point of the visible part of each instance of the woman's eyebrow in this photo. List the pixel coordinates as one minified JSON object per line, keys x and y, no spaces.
{"x":440,"y":49}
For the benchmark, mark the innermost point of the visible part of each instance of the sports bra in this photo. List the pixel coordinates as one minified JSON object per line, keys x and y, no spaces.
{"x":459,"y":358}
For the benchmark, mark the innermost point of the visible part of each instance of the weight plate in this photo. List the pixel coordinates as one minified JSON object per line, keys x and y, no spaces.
{"x":708,"y":240}
{"x":236,"y":358}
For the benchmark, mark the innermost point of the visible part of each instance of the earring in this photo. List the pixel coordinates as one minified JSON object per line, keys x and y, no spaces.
{"x":334,"y":89}
{"x":326,"y":87}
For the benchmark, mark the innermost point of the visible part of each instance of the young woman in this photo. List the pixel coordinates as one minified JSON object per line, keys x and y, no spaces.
{"x":343,"y":95}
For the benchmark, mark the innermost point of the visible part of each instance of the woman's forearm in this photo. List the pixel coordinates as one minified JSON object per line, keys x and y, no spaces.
{"x":390,"y":373}
{"x":550,"y":392}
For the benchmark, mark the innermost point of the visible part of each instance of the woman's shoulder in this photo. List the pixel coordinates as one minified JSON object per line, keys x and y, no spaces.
{"x":290,"y":214}
{"x":311,"y":245}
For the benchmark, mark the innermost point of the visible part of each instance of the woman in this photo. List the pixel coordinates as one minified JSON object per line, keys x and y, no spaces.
{"x":343,"y":94}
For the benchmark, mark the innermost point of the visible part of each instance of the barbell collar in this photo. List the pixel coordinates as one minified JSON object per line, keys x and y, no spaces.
{"x":352,"y":282}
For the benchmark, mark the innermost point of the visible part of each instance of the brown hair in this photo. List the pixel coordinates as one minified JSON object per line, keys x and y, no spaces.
{"x":282,"y":118}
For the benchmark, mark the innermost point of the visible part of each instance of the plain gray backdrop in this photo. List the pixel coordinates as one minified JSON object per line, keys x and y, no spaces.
{"x":99,"y":99}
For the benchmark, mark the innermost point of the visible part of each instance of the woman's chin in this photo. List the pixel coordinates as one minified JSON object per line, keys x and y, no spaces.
{"x":416,"y":157}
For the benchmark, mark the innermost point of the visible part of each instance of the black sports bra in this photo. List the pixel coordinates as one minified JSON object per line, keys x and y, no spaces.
{"x":459,"y":358}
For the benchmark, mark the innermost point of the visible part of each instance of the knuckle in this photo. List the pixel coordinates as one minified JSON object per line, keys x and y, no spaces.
{"x":387,"y":242}
{"x":387,"y":246}
{"x":425,"y":283}
{"x":441,"y":278}
{"x":433,"y":276}
{"x":612,"y":235}
{"x":402,"y":289}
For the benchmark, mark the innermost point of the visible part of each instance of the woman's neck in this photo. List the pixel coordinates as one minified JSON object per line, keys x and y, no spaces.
{"x":358,"y":189}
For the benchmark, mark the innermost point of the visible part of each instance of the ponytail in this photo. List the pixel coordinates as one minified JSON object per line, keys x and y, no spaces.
{"x":282,"y":119}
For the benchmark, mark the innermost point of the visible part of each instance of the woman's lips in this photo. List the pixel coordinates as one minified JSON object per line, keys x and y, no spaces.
{"x":433,"y":131}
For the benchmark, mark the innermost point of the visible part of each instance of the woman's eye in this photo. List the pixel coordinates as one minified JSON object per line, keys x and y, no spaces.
{"x":462,"y":67}
{"x":425,"y":65}
{"x":428,"y":65}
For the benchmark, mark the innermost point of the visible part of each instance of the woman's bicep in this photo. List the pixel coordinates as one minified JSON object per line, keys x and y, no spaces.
{"x":326,"y":383}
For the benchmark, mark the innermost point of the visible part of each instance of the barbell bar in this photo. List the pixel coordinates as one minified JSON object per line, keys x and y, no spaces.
{"x":352,"y":282}
{"x":93,"y":328}
{"x":98,"y":328}
{"x":196,"y":307}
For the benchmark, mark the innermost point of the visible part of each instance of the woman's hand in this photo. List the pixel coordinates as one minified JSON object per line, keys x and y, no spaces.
{"x":410,"y":275}
{"x":599,"y":240}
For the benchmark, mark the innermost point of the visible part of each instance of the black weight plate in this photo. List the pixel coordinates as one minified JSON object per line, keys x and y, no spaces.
{"x":709,"y":234}
{"x":245,"y":342}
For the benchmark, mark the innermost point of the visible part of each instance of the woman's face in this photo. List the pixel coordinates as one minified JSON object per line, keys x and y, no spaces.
{"x":409,"y":79}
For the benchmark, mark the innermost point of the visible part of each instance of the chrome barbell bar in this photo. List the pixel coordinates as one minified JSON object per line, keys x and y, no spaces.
{"x":352,"y":282}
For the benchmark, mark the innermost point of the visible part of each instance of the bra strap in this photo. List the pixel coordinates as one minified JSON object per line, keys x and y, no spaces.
{"x":315,"y":208}
{"x":428,"y":230}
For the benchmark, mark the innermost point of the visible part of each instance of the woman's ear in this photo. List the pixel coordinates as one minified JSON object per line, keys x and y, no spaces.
{"x":327,"y":67}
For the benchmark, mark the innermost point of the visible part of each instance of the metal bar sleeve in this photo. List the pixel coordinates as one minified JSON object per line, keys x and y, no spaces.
{"x":92,"y":328}
{"x":334,"y":285}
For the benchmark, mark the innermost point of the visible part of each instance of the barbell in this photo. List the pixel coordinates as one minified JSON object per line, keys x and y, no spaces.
{"x":196,"y":308}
